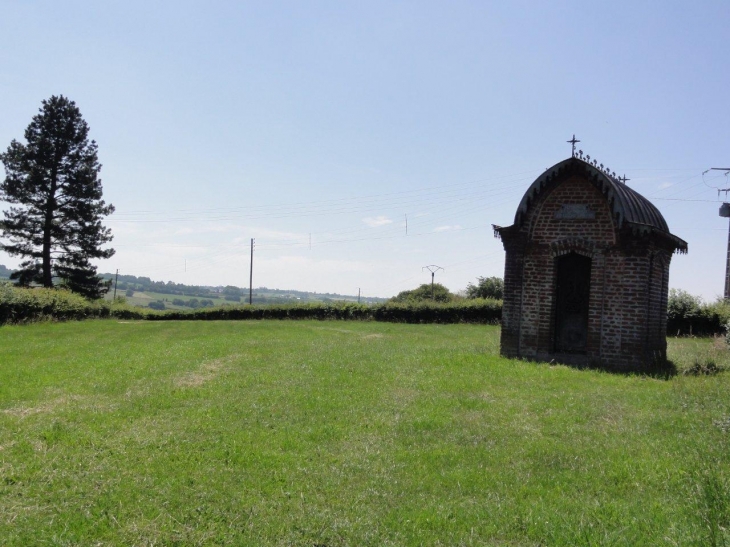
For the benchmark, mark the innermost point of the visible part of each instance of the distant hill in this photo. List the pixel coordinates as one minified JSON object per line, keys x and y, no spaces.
{"x":230,"y":293}
{"x":218,"y":294}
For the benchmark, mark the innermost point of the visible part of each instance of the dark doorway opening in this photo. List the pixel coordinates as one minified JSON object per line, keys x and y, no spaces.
{"x":571,"y":303}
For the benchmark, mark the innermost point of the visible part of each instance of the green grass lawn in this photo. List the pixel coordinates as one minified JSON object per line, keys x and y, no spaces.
{"x":348,"y":433}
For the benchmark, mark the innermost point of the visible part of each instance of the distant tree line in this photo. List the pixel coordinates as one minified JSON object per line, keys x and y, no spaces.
{"x":230,"y":293}
{"x":145,"y":284}
{"x":193,"y":303}
{"x":485,"y":287}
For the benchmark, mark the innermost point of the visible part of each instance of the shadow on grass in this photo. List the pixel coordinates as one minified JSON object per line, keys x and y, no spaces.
{"x":661,"y":370}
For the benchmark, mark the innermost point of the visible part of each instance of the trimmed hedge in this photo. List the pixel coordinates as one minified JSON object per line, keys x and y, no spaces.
{"x":466,"y":311}
{"x":18,"y":305}
{"x":687,"y":315}
{"x":712,"y":319}
{"x":26,"y":305}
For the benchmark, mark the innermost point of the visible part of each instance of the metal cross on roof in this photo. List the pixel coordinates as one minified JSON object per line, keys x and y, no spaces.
{"x":573,"y":142}
{"x":624,"y":179}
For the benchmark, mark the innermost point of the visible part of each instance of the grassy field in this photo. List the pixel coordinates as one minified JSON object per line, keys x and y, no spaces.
{"x":359,"y":433}
{"x":141,"y":298}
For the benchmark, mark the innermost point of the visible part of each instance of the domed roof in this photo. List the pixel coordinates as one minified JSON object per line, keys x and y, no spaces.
{"x":627,"y":205}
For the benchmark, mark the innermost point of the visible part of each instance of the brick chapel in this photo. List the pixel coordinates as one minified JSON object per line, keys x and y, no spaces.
{"x":586,"y":271}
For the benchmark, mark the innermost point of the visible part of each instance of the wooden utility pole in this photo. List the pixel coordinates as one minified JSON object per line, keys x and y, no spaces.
{"x":250,"y":278}
{"x":727,"y":265}
{"x":358,"y":295}
{"x":725,"y":212}
{"x":116,"y":278}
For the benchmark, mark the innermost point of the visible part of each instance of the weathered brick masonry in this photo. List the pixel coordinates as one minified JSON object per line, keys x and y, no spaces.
{"x":587,"y":271}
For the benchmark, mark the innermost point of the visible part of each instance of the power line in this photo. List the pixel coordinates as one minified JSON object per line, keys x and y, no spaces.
{"x":304,"y":240}
{"x":472,"y":206}
{"x":438,"y":189}
{"x":351,"y":209}
{"x":224,"y":253}
{"x":688,"y":200}
{"x":340,"y":205}
{"x":448,"y":200}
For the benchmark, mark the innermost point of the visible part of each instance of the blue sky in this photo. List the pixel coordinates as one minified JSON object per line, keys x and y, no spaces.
{"x":287,"y":122}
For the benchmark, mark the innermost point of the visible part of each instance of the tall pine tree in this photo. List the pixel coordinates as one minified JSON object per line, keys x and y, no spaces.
{"x":54,"y":189}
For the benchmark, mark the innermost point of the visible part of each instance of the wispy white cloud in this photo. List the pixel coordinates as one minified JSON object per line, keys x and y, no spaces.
{"x":374,"y":222}
{"x":447,"y":228}
{"x":665,"y":185}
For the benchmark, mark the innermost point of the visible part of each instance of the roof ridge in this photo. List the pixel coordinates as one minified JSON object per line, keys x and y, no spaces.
{"x":628,"y":205}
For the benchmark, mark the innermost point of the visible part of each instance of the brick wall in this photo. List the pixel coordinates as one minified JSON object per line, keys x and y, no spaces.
{"x":628,"y":280}
{"x":543,"y":228}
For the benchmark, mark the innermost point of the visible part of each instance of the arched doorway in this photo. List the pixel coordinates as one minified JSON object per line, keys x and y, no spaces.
{"x":571,"y":303}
